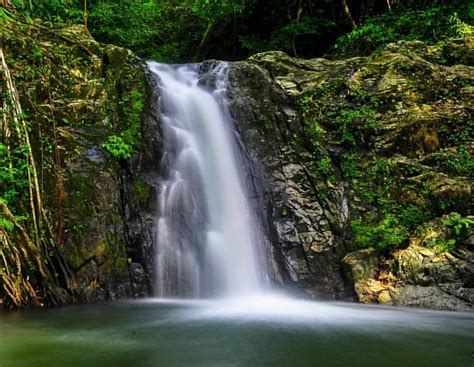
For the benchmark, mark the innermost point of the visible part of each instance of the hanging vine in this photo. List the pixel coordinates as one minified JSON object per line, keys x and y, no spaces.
{"x":32,"y":271}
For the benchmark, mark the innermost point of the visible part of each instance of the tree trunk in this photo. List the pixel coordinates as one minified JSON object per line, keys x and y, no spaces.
{"x":347,"y":13}
{"x":204,"y":39}
{"x":86,"y":14}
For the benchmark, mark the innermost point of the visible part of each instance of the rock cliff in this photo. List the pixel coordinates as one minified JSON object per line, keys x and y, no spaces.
{"x":361,"y":169}
{"x":75,"y":94}
{"x":369,"y":164}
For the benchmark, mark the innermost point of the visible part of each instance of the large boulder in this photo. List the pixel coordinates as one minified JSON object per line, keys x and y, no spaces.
{"x":421,"y":275}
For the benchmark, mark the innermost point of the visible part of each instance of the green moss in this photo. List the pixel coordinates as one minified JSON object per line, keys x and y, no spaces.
{"x":412,"y":216}
{"x":442,"y":245}
{"x":460,"y":163}
{"x":6,"y":224}
{"x":114,"y":251}
{"x":349,"y":111}
{"x":350,"y":165}
{"x":141,"y":190}
{"x":396,"y":140}
{"x":378,"y":231}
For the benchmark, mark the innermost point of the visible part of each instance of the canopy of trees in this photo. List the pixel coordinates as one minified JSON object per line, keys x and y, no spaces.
{"x":185,"y":30}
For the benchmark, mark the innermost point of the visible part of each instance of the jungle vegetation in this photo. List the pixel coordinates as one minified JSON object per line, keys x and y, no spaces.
{"x":192,"y":30}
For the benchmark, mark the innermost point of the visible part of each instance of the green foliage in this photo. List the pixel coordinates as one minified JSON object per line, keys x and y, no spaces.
{"x":349,"y":111}
{"x":132,"y":24}
{"x":215,"y":10}
{"x":458,"y":224}
{"x":173,"y":30}
{"x":141,"y":190}
{"x":118,"y":148}
{"x":460,"y":163}
{"x":442,"y":245}
{"x":13,"y":175}
{"x":350,"y":165}
{"x":53,"y":11}
{"x":294,"y":36}
{"x":459,"y":28}
{"x":383,"y":232}
{"x":364,"y":40}
{"x":457,"y":231}
{"x":356,"y":126}
{"x":6,"y":224}
{"x":325,"y":167}
{"x":412,"y":216}
{"x":315,"y":132}
{"x":124,"y":146}
{"x":132,"y":109}
{"x":375,"y":184}
{"x":430,"y":24}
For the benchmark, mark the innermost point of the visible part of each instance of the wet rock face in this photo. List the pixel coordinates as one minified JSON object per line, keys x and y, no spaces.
{"x":361,"y":153}
{"x":302,"y":232}
{"x":108,"y":202}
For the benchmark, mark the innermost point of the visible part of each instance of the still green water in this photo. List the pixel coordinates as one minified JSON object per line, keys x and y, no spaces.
{"x":266,"y":331}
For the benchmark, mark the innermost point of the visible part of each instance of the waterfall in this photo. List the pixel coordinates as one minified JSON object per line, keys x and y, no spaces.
{"x":207,"y":241}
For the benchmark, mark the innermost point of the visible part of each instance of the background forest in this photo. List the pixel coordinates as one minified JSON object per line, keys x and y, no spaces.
{"x":192,"y":30}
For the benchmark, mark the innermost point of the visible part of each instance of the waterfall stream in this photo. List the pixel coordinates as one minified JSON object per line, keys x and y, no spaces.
{"x":206,"y":241}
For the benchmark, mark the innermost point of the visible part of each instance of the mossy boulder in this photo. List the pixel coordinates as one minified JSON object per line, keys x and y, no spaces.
{"x":362,"y":264}
{"x":422,"y":275}
{"x":75,"y":93}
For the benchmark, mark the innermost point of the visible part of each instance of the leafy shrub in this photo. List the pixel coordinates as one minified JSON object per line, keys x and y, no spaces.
{"x":291,"y":37}
{"x":325,"y":167}
{"x":460,"y":163}
{"x":356,"y":125}
{"x":431,"y":25}
{"x":413,"y":216}
{"x":118,"y":148}
{"x":350,"y":165}
{"x":458,"y":228}
{"x":444,"y":245}
{"x":458,"y":224}
{"x":6,"y":224}
{"x":379,"y":233}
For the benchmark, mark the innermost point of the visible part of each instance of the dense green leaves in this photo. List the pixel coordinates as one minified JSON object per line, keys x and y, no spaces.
{"x":458,"y":224}
{"x":118,"y":148}
{"x":431,"y":24}
{"x":215,"y":10}
{"x":386,"y":232}
{"x":182,"y":30}
{"x":133,"y":24}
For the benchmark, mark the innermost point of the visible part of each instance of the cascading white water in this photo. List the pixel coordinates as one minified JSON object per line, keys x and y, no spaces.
{"x":206,"y":242}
